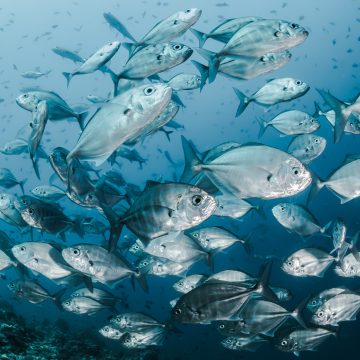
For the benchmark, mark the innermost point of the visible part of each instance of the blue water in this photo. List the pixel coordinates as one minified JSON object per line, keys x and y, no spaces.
{"x":328,"y":59}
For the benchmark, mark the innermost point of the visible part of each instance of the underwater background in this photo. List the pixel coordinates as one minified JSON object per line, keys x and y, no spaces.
{"x":328,"y":59}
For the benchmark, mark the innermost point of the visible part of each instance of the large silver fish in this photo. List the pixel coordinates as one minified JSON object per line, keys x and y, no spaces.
{"x":249,"y":171}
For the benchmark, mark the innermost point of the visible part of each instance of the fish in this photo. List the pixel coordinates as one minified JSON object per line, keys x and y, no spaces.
{"x":34,"y":74}
{"x":46,"y":259}
{"x":308,"y":262}
{"x":250,"y":171}
{"x":96,"y":99}
{"x":131,"y":155}
{"x":315,"y":302}
{"x":48,"y":193}
{"x":38,"y":123}
{"x":243,"y":67}
{"x":165,"y":30}
{"x":134,"y":322}
{"x":297,"y":219}
{"x":343,"y":112}
{"x":217,"y":300}
{"x":6,"y":261}
{"x":111,"y":332}
{"x":291,"y":122}
{"x":58,"y":109}
{"x":99,"y":264}
{"x":153,"y":59}
{"x":15,"y":147}
{"x":215,"y":238}
{"x":90,"y":225}
{"x":307,"y":147}
{"x":83,"y":305}
{"x":184,"y":81}
{"x":296,"y":341}
{"x":100,"y":295}
{"x":154,"y":336}
{"x":273,"y":92}
{"x":247,"y":343}
{"x":188,"y":283}
{"x":8,"y":180}
{"x":95,"y":61}
{"x":349,"y":266}
{"x":8,"y":211}
{"x":68,"y":54}
{"x":344,"y":181}
{"x":339,"y":308}
{"x":113,"y":124}
{"x":225,"y":30}
{"x":162,"y":208}
{"x":33,"y":292}
{"x":258,"y":38}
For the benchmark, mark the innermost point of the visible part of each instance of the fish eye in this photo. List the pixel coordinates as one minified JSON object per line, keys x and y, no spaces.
{"x":188,"y":10}
{"x":296,"y":171}
{"x":177,"y":47}
{"x":31,"y":211}
{"x":221,"y":326}
{"x":263,"y":59}
{"x":26,"y":95}
{"x":312,"y":121}
{"x":228,"y":341}
{"x":145,"y":263}
{"x":284,"y":342}
{"x":12,"y":285}
{"x":106,"y":329}
{"x":67,"y":303}
{"x":294,"y":26}
{"x":149,"y":90}
{"x":76,"y":252}
{"x":298,"y":82}
{"x":317,"y":141}
{"x":136,"y":247}
{"x":289,"y":263}
{"x":196,"y":235}
{"x":196,"y":200}
{"x":127,"y":340}
{"x":277,"y":33}
{"x":22,"y":248}
{"x":117,"y":333}
{"x":282,"y":208}
{"x":181,"y":283}
{"x":177,"y":311}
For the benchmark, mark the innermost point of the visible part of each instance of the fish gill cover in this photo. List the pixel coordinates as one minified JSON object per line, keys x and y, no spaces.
{"x":179,"y":182}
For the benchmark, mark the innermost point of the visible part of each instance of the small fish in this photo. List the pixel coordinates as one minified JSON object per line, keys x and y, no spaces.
{"x":308,"y":262}
{"x":48,"y":193}
{"x":100,"y":295}
{"x":34,"y":74}
{"x":273,"y":92}
{"x":96,"y":99}
{"x":241,"y":343}
{"x":90,"y":225}
{"x":82,"y":305}
{"x":184,"y":81}
{"x":315,"y":302}
{"x":188,"y":283}
{"x":111,"y":332}
{"x":9,"y":213}
{"x":68,"y":54}
{"x":8,"y":180}
{"x":349,"y":266}
{"x":307,"y":147}
{"x":131,"y":155}
{"x":154,"y":336}
{"x":297,"y":219}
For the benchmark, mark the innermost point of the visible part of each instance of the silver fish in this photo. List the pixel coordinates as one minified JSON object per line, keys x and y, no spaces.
{"x":308,"y":262}
{"x":297,"y":219}
{"x":111,"y":332}
{"x":273,"y":92}
{"x":291,"y":122}
{"x":48,"y":192}
{"x":241,"y":343}
{"x":348,"y":267}
{"x":100,"y":295}
{"x":184,"y":81}
{"x":250,"y":171}
{"x":8,"y":211}
{"x":230,"y":206}
{"x":188,"y":283}
{"x":34,"y":74}
{"x":154,"y":336}
{"x":315,"y":302}
{"x":307,"y":147}
{"x":95,"y":61}
{"x":82,"y":305}
{"x":8,"y":180}
{"x":134,"y":322}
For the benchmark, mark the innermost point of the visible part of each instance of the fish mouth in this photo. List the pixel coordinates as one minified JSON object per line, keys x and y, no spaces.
{"x":188,"y":53}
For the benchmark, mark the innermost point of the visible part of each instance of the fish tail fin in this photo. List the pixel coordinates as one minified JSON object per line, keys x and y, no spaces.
{"x":116,"y":83}
{"x":204,"y":72}
{"x":167,"y":134}
{"x":57,"y":298}
{"x":35,"y":165}
{"x":123,"y":30}
{"x":262,"y":287}
{"x":176,"y":98}
{"x":141,"y":279}
{"x":68,"y":77}
{"x":213,"y":61}
{"x":263,"y":125}
{"x":114,"y":78}
{"x":340,"y":120}
{"x":317,"y":112}
{"x":317,"y":185}
{"x":192,"y":162}
{"x":246,"y":243}
{"x":202,"y":37}
{"x":130,"y":47}
{"x":21,"y":184}
{"x":81,"y":117}
{"x":297,"y":313}
{"x":210,"y":261}
{"x":244,"y":102}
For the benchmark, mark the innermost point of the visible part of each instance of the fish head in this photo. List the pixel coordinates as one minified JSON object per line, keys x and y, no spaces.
{"x":322,"y":316}
{"x":190,"y":16}
{"x":184,"y":312}
{"x":348,"y":267}
{"x":194,"y":205}
{"x":24,"y":253}
{"x":77,"y":257}
{"x":282,"y":213}
{"x":232,"y":343}
{"x":110,"y":332}
{"x":308,"y":124}
{"x":150,"y":98}
{"x":274,"y":60}
{"x":137,"y":248}
{"x":289,"y":33}
{"x":318,"y":143}
{"x":24,"y":202}
{"x":314,"y":303}
{"x":27,"y":101}
{"x":13,"y":286}
{"x":129,"y":340}
{"x":292,"y":265}
{"x":69,"y":305}
{"x":145,"y":265}
{"x":109,"y":49}
{"x":183,"y":286}
{"x":228,"y":327}
{"x":201,"y":237}
{"x":174,"y":51}
{"x":353,"y":124}
{"x":286,"y":344}
{"x":5,"y":201}
{"x":292,"y":177}
{"x":296,"y":88}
